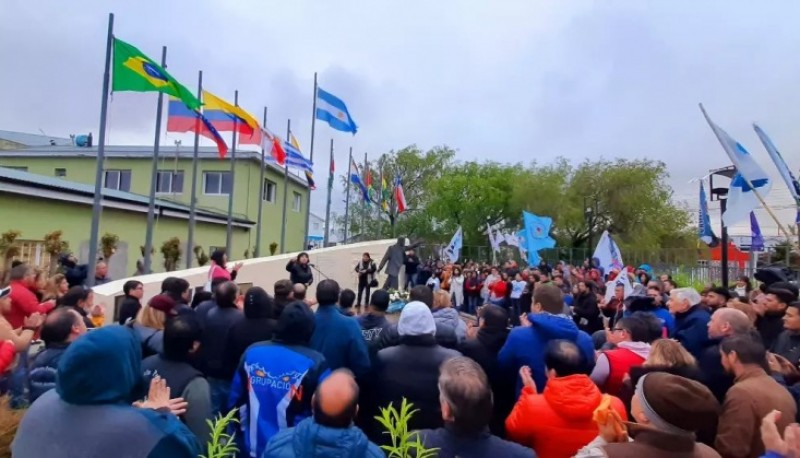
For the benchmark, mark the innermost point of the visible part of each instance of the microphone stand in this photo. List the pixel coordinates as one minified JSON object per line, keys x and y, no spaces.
{"x":319,"y":271}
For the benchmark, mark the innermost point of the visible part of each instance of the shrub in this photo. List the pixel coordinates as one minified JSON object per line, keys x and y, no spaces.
{"x":405,"y":444}
{"x":222,"y":444}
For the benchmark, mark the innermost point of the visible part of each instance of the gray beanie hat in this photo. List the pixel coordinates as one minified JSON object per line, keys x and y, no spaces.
{"x":416,"y":319}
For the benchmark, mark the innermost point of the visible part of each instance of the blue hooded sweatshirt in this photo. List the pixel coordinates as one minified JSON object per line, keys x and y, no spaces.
{"x":525,"y":345}
{"x":312,"y":440}
{"x":89,"y":414}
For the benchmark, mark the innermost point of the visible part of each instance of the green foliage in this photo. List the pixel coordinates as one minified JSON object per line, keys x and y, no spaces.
{"x":8,"y":248}
{"x":273,"y":248}
{"x":200,"y":255}
{"x":405,"y":444}
{"x":222,"y":444}
{"x":108,"y":245}
{"x":54,"y":246}
{"x":171,"y":249}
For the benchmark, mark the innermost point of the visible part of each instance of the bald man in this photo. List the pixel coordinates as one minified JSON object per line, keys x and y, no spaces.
{"x":724,"y":322}
{"x":330,"y":431}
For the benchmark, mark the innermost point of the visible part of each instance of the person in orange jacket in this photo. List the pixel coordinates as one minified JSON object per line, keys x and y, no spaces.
{"x":558,"y":422}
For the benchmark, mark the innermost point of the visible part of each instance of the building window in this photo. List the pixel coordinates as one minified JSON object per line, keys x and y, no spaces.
{"x":118,"y":179}
{"x":61,"y":173}
{"x":169,"y":182}
{"x":21,"y":169}
{"x":269,"y":190}
{"x":217,"y":183}
{"x":297,"y":201}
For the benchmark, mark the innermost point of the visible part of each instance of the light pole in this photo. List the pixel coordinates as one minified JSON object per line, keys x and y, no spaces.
{"x":590,"y":211}
{"x":721,"y":195}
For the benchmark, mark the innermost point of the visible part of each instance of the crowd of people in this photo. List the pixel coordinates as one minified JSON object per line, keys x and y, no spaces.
{"x":558,"y":361}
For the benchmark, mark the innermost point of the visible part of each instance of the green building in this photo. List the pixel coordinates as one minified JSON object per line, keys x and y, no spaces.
{"x":44,"y":188}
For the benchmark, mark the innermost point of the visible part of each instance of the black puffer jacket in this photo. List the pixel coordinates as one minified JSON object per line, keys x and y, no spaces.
{"x":586,"y":313}
{"x":257,"y":326}
{"x":299,"y":273}
{"x":484,"y":349}
{"x":411,"y":370}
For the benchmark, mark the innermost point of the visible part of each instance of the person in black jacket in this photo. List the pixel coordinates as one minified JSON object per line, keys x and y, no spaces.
{"x":490,"y":337}
{"x":411,"y":370}
{"x":724,"y":322}
{"x":411,"y":265}
{"x":366,"y":272}
{"x":258,"y":325}
{"x":770,"y":324}
{"x":284,"y":295}
{"x":178,"y":289}
{"x":585,"y":311}
{"x":217,"y":318}
{"x":74,"y":273}
{"x":181,"y":340}
{"x":300,"y":270}
{"x":131,"y":305}
{"x":445,"y":335}
{"x":788,"y":342}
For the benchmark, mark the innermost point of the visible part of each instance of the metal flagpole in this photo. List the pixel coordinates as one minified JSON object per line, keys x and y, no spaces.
{"x":195,"y":154}
{"x":285,"y":189}
{"x":97,"y":206}
{"x":326,"y":236}
{"x":229,"y":234}
{"x":311,"y":156}
{"x":257,"y":251}
{"x":366,"y":202}
{"x":151,"y":209}
{"x":347,"y":195}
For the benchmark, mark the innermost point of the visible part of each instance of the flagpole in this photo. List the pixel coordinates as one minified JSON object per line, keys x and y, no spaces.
{"x":347,"y":196}
{"x":257,"y":251}
{"x":311,"y":156}
{"x":325,"y":237}
{"x":151,"y":208}
{"x":195,"y":161}
{"x":366,"y":202}
{"x":286,"y":190}
{"x":229,"y":233}
{"x":97,"y":205}
{"x":746,"y":180}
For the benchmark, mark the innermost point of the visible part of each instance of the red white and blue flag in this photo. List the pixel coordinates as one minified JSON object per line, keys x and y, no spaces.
{"x":399,"y":195}
{"x":182,"y":119}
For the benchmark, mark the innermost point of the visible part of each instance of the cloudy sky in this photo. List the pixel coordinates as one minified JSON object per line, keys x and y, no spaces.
{"x":511,"y":81}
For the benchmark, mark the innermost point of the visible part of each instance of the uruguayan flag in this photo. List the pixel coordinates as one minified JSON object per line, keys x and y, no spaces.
{"x":294,"y":158}
{"x":332,"y":110}
{"x":749,"y":179}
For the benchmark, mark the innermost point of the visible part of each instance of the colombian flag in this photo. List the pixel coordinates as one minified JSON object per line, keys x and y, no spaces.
{"x":182,"y":119}
{"x":224,"y":116}
{"x":133,"y":71}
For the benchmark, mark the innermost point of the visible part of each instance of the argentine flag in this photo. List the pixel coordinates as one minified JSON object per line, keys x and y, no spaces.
{"x":749,"y":183}
{"x":332,"y":110}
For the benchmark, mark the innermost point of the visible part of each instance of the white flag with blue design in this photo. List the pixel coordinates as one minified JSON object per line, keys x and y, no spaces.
{"x":749,"y":179}
{"x":453,"y":250}
{"x":332,"y":110}
{"x":783,"y":169}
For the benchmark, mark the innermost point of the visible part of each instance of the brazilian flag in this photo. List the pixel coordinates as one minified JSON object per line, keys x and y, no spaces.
{"x":133,"y":71}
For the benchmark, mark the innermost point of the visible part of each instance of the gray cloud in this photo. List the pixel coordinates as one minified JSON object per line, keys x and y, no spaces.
{"x":525,"y":81}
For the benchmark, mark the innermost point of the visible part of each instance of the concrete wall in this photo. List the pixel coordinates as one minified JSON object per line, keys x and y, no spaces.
{"x":337,"y":263}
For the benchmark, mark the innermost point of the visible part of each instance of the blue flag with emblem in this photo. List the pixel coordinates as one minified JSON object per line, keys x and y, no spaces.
{"x":332,"y":110}
{"x":783,"y":169}
{"x":704,"y":230}
{"x":749,"y":179}
{"x":537,"y":236}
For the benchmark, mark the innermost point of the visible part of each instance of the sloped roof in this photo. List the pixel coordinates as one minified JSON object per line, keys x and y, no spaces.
{"x":33,"y":139}
{"x":143,"y":152}
{"x":71,"y":187}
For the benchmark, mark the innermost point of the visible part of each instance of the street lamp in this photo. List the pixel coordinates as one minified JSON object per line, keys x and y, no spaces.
{"x":721,"y":195}
{"x":589,"y":214}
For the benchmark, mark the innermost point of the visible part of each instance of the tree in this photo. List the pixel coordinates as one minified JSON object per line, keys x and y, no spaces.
{"x":108,"y":245}
{"x":55,"y":246}
{"x":8,"y":249}
{"x":171,"y":249}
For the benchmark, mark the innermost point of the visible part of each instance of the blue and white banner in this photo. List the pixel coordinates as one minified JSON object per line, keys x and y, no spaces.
{"x":607,"y":254}
{"x":756,"y":239}
{"x":537,"y":236}
{"x":453,"y":250}
{"x":783,"y":169}
{"x":749,"y":179}
{"x":332,"y":110}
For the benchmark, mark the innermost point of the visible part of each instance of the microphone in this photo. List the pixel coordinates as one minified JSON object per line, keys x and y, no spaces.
{"x":312,"y":265}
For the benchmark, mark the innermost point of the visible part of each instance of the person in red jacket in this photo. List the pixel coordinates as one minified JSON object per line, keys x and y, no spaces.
{"x":558,"y":422}
{"x":630,"y":335}
{"x":23,"y":299}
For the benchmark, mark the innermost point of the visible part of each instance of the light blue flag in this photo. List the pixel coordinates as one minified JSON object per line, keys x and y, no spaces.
{"x":749,"y":179}
{"x":332,"y":110}
{"x":537,"y":236}
{"x":704,"y":230}
{"x":453,"y":250}
{"x":783,"y":169}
